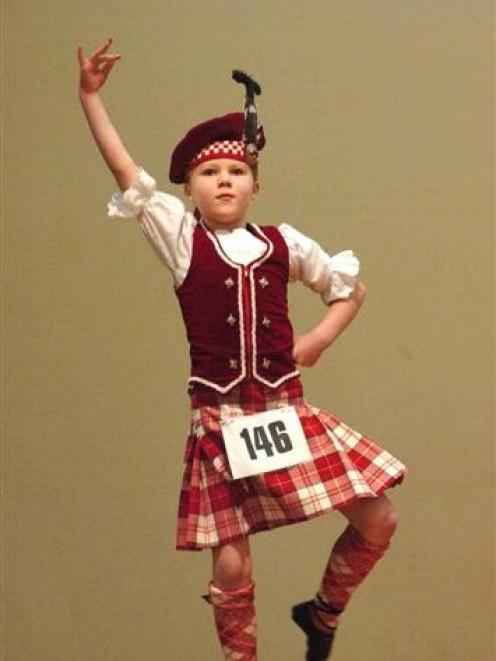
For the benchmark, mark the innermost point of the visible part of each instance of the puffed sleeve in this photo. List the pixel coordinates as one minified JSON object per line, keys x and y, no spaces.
{"x":333,"y":277}
{"x":166,"y":224}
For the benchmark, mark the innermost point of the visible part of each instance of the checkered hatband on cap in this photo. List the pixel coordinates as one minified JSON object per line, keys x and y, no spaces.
{"x":233,"y":149}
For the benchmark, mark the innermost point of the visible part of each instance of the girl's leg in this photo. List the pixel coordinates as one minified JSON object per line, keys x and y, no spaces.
{"x":371,"y":524}
{"x":231,"y":565}
{"x":231,"y":593}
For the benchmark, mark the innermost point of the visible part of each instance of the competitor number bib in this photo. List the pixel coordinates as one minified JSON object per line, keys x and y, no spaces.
{"x":264,"y":442}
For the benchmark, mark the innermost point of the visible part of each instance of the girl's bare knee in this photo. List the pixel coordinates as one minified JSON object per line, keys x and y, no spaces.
{"x":230,"y":576}
{"x":383,"y":523}
{"x":231,"y":565}
{"x":375,"y":519}
{"x":391,"y":521}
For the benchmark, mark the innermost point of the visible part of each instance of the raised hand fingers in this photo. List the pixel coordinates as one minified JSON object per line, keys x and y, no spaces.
{"x":107,"y":66}
{"x":96,"y":67}
{"x":98,"y":54}
{"x":104,"y":64}
{"x":98,"y":60}
{"x":102,"y":48}
{"x":81,"y":56}
{"x":109,"y":58}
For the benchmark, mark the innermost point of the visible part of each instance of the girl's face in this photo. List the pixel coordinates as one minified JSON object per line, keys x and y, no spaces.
{"x":222,"y":190}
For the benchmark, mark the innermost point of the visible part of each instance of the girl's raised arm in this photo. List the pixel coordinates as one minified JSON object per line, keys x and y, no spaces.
{"x":94,"y":70}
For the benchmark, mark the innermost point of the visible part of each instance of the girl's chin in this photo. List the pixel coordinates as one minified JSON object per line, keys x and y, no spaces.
{"x":222,"y":222}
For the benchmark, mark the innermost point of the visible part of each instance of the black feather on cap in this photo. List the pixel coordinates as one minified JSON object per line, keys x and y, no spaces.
{"x":250,"y":131}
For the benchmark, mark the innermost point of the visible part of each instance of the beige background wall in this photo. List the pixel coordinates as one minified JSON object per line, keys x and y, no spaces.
{"x":379,"y":122}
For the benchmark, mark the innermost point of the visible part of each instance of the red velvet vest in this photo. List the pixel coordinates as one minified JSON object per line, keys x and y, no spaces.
{"x":236,"y":316}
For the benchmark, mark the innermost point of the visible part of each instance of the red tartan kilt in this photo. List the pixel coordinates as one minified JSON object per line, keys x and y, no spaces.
{"x":215,"y":509}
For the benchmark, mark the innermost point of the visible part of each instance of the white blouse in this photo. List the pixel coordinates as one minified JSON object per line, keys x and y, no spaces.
{"x":169,"y":229}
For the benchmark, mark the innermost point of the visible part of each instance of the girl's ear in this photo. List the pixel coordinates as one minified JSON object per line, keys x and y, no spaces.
{"x":187,"y":190}
{"x":256,"y":187}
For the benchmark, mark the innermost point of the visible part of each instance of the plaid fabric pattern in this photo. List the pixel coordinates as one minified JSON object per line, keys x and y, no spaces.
{"x":235,"y":621}
{"x":352,"y":558}
{"x":215,"y":509}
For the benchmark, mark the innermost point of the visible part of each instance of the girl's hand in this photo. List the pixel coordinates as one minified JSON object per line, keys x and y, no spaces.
{"x":307,"y":349}
{"x":95,"y":68}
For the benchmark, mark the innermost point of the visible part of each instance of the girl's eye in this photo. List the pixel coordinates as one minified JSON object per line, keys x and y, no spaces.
{"x":207,"y":169}
{"x":238,"y":171}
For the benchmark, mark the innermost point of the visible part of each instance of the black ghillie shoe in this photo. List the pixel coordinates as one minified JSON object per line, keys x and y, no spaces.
{"x":319,"y":643}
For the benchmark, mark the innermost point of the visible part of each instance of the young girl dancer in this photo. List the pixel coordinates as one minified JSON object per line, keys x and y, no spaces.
{"x":258,"y":455}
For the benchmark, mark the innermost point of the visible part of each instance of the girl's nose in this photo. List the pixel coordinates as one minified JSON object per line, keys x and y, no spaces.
{"x":224,"y":179}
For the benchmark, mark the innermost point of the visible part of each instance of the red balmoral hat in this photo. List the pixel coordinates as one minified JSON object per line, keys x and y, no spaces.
{"x":236,"y":135}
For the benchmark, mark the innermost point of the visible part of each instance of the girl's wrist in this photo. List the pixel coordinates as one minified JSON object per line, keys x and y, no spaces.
{"x":86,"y":93}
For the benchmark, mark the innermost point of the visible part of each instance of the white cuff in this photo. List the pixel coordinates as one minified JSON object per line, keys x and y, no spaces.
{"x":129,"y":203}
{"x":344,"y":267}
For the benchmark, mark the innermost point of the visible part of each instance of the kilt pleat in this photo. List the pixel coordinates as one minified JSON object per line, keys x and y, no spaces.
{"x":215,"y":509}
